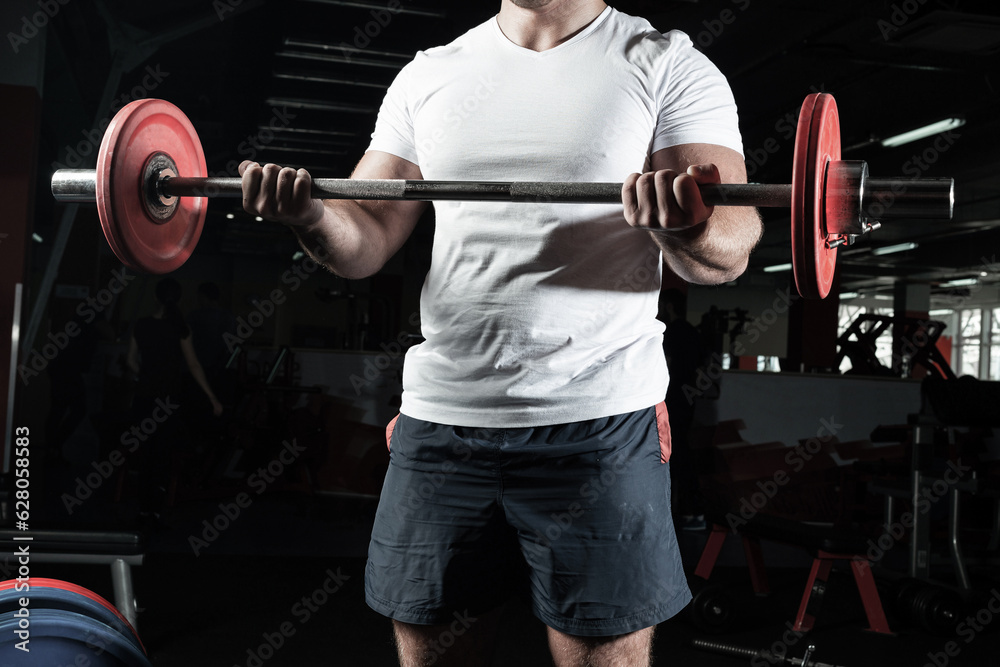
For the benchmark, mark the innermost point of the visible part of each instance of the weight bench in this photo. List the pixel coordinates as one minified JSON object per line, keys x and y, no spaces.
{"x":827,"y":546}
{"x":118,"y":549}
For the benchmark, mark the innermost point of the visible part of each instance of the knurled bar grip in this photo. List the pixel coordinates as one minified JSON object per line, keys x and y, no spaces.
{"x":79,"y":185}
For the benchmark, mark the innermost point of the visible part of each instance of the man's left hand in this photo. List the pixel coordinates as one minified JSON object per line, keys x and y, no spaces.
{"x":668,"y":200}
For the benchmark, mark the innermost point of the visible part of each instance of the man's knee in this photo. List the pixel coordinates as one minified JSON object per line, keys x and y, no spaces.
{"x":632,"y":649}
{"x":466,"y":640}
{"x":416,"y":644}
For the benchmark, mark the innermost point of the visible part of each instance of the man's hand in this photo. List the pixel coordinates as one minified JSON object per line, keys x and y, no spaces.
{"x":280,"y":194}
{"x":668,"y":200}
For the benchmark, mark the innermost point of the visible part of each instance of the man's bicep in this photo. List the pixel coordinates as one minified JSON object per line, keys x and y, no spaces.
{"x":732,"y":168}
{"x":379,"y":164}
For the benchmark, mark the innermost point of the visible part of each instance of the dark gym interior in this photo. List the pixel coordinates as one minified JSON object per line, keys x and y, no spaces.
{"x":845,"y":451}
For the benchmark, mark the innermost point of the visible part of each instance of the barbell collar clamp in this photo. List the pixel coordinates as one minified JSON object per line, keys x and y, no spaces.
{"x":855,"y":202}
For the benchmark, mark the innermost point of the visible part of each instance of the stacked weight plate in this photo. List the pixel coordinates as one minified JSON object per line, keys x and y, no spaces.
{"x":68,"y":625}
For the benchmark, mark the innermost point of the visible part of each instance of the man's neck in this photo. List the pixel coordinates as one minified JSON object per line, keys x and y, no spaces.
{"x":549,"y":26}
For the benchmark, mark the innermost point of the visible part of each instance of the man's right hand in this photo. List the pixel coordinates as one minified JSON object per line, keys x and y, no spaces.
{"x":280,"y":194}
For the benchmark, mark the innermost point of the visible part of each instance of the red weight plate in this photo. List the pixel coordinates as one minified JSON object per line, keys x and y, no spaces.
{"x":40,"y":582}
{"x":817,"y":142}
{"x":140,"y":130}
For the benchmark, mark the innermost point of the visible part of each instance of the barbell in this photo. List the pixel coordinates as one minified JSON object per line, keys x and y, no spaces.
{"x":759,"y":656}
{"x":934,"y":609}
{"x":712,"y":608}
{"x":151,"y":183}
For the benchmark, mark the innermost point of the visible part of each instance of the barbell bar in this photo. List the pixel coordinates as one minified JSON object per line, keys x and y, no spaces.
{"x":79,"y":185}
{"x":151,"y":183}
{"x":923,"y":198}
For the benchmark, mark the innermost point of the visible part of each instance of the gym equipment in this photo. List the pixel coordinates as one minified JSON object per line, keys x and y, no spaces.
{"x":934,"y":609}
{"x":56,"y":594}
{"x":151,"y":179}
{"x":826,"y":545}
{"x":120,"y":550}
{"x":919,"y":340}
{"x":711,"y":608}
{"x":757,"y":655}
{"x":60,"y":637}
{"x":69,"y":625}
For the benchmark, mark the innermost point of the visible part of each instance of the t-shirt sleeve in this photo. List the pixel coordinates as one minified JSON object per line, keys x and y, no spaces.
{"x":696,"y":104}
{"x":394,"y":126}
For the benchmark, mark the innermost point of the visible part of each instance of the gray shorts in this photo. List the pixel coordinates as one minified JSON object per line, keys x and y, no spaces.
{"x":576,"y":515}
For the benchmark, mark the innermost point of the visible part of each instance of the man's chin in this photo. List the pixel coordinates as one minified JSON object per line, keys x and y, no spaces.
{"x":530,"y":4}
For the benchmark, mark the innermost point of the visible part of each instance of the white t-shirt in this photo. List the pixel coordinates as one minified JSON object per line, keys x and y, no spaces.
{"x":538,"y":314}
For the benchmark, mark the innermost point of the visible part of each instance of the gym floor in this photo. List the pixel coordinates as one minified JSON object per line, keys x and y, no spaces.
{"x":247,"y":585}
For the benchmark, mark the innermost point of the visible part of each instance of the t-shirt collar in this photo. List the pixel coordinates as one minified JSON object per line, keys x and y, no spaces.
{"x":590,"y":28}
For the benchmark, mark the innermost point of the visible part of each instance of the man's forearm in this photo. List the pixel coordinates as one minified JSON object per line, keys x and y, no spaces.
{"x":716,"y":251}
{"x":348,"y":240}
{"x":354,"y":239}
